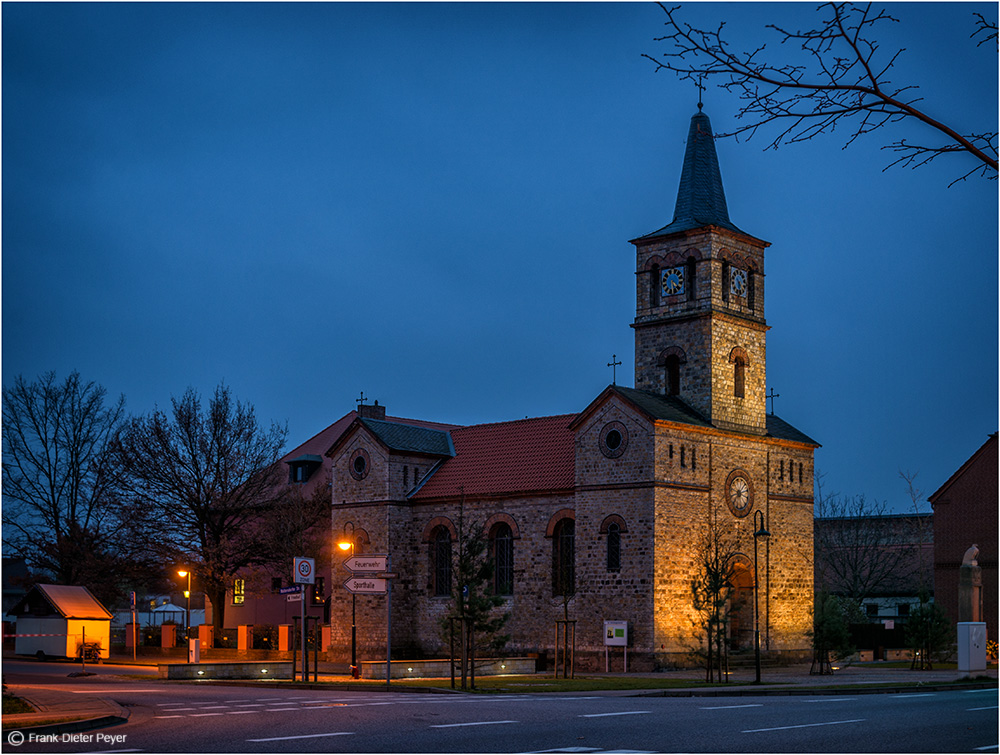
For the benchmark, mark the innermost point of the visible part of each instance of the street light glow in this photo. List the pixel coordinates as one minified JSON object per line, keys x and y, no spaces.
{"x":344,"y":546}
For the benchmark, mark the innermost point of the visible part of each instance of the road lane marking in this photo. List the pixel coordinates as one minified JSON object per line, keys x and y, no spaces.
{"x":202,"y":715}
{"x":622,"y":713}
{"x":728,"y":707}
{"x":831,"y":700}
{"x":168,"y":716}
{"x":470,"y":723}
{"x":251,"y":705}
{"x":304,"y":736}
{"x":240,"y":712}
{"x":988,"y":707}
{"x":977,"y":691}
{"x":922,"y":694}
{"x":804,"y":726}
{"x":988,"y":747}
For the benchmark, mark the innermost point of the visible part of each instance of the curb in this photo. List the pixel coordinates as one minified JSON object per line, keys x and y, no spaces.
{"x":10,"y":723}
{"x":786,"y":691}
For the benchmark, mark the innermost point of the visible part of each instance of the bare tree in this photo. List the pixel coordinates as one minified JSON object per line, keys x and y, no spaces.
{"x":862,"y":550}
{"x":59,"y":487}
{"x":201,"y":484}
{"x":713,"y":595}
{"x":841,"y":76}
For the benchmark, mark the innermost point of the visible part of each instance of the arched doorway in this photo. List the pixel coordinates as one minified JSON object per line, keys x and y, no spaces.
{"x":741,"y":605}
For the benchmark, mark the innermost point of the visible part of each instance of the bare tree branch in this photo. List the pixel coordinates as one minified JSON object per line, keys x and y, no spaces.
{"x":844,"y":81}
{"x":59,"y":485}
{"x":202,"y":484}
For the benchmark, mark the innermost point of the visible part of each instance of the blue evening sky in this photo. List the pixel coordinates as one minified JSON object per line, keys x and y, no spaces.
{"x":431,"y":203}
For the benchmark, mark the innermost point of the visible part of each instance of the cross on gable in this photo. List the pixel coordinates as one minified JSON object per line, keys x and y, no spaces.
{"x":772,"y":395}
{"x":613,"y":365}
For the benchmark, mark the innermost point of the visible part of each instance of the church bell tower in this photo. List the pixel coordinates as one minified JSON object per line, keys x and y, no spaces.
{"x":699,"y":315}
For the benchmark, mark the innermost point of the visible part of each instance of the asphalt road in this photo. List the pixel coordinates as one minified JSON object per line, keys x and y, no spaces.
{"x":175,"y":717}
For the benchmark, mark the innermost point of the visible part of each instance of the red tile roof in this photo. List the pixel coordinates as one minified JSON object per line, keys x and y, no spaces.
{"x":525,"y":456}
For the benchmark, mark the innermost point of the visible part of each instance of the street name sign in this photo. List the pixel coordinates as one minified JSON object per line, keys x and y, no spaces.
{"x":366,"y":586}
{"x":366,"y":564}
{"x":290,"y":590}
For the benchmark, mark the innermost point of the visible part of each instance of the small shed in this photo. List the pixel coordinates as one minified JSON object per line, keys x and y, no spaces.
{"x":54,"y":620}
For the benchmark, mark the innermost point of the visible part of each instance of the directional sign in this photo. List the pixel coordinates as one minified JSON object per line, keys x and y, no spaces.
{"x":366,"y":564}
{"x":366,"y":585}
{"x":304,"y":570}
{"x":293,"y":597}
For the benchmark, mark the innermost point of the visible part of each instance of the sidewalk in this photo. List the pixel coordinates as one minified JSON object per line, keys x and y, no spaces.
{"x":61,"y":712}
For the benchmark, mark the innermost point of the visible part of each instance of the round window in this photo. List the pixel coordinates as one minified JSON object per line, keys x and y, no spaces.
{"x":359,"y":464}
{"x":614,"y":439}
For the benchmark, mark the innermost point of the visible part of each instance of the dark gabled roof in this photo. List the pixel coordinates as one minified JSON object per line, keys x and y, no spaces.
{"x":672,"y":409}
{"x":409,"y":438}
{"x":778,"y":428}
{"x":306,"y":459}
{"x":659,"y":406}
{"x":701,"y":200}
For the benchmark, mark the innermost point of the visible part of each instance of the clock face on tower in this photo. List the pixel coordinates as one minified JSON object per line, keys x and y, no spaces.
{"x":672,"y":281}
{"x":738,"y":284}
{"x":739,"y":493}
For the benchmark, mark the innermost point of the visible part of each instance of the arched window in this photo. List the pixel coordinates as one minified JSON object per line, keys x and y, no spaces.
{"x":654,"y":286}
{"x":672,"y":375}
{"x":564,"y":558}
{"x":614,"y":547}
{"x":739,"y":377}
{"x":726,"y":282}
{"x":751,"y":289}
{"x":503,"y":559}
{"x":690,"y":278}
{"x":441,"y":558}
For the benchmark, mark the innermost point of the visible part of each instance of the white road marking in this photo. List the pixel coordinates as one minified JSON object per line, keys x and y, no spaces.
{"x":922,"y":694}
{"x":470,"y":723}
{"x":804,"y":726}
{"x":168,"y":716}
{"x":202,"y":715}
{"x":728,"y":707}
{"x":988,"y":707}
{"x":622,"y":713}
{"x":831,"y":700}
{"x":250,"y":705}
{"x":977,"y":691}
{"x":240,"y":712}
{"x":304,"y":736}
{"x":988,"y":747}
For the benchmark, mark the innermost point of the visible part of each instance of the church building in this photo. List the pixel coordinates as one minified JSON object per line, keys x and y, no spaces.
{"x":602,"y":515}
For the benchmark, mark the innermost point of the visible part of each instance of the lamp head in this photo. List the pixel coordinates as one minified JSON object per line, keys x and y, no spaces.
{"x":182,"y":573}
{"x":344,"y":546}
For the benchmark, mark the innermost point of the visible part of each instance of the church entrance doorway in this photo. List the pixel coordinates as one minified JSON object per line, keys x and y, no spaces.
{"x":741,"y":607}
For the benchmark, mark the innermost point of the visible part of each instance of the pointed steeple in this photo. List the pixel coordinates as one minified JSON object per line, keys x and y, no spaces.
{"x":701,"y":200}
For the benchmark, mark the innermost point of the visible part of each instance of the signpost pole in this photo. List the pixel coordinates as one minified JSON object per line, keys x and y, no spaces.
{"x":305,"y":655}
{"x":388,"y":623}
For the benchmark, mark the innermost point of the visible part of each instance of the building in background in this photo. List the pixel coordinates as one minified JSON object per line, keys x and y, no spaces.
{"x":965,"y":514}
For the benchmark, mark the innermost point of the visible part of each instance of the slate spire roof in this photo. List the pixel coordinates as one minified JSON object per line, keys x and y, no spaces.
{"x":701,"y":200}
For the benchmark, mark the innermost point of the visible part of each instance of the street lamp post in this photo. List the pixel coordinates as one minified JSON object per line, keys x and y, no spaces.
{"x":760,"y":533}
{"x":344,"y":545}
{"x":187,"y":594}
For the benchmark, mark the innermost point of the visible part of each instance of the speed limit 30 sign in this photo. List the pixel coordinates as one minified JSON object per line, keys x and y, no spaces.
{"x":304,"y":571}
